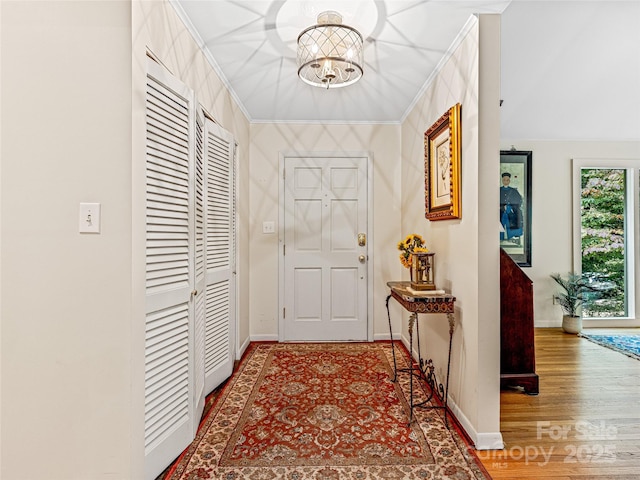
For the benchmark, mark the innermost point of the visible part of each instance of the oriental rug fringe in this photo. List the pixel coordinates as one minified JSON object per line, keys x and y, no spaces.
{"x":323,"y":412}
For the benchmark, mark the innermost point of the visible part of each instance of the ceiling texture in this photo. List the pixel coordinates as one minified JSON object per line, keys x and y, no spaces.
{"x":568,"y":67}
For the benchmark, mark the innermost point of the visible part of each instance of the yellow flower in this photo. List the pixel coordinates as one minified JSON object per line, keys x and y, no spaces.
{"x":412,"y":243}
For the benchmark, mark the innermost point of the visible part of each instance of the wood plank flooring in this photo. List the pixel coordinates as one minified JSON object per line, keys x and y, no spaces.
{"x":584,"y":424}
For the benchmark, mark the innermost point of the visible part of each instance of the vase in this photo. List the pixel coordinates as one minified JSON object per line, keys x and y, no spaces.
{"x":571,"y":324}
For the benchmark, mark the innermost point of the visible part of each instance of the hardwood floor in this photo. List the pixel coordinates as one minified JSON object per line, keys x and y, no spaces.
{"x":585,"y":423}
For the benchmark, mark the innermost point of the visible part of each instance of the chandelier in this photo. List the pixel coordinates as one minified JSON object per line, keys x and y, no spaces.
{"x":330,"y":54}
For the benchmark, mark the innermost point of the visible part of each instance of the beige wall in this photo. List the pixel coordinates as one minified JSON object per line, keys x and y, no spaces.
{"x":66,"y":297}
{"x":552,"y":213}
{"x":267,"y":142}
{"x":466,"y":258}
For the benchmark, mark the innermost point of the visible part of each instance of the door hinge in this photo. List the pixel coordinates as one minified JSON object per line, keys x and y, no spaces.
{"x":284,"y":312}
{"x":284,"y":249}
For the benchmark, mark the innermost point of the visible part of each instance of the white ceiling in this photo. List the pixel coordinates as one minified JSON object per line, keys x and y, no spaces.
{"x":570,"y":70}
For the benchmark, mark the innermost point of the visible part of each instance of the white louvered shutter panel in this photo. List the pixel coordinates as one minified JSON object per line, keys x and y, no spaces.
{"x":169,"y":265}
{"x":199,"y":317}
{"x":219,"y":255}
{"x":234,"y":212}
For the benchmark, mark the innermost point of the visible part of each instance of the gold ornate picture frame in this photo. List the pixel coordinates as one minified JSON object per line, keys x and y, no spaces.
{"x":442,"y":167}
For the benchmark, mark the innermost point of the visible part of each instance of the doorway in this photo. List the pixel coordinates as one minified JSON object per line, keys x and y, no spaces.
{"x":324,"y":248}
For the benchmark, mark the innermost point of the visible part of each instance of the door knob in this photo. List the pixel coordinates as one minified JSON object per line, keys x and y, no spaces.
{"x":362,"y":258}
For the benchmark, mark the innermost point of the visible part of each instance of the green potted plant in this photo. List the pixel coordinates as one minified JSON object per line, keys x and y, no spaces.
{"x":571,"y":296}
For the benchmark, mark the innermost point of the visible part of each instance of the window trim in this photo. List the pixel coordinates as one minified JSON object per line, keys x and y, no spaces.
{"x":632,"y":226}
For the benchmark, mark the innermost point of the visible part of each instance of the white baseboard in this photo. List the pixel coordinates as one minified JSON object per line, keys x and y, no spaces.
{"x":489,"y":441}
{"x":274,"y":338}
{"x":548,"y":324}
{"x":380,"y":337}
{"x":610,"y":323}
{"x":243,"y":348}
{"x":481,"y":441}
{"x":592,"y":323}
{"x":405,"y":342}
{"x":263,"y":338}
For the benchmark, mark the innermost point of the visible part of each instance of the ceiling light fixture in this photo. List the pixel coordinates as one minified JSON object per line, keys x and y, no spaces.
{"x":330,"y":54}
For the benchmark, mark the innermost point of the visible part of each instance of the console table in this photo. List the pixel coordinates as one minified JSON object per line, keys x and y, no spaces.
{"x":415,"y":303}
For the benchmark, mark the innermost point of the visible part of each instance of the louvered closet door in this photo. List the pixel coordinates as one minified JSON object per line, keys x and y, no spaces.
{"x":169,"y":383}
{"x":220,"y":255}
{"x":200,"y":285}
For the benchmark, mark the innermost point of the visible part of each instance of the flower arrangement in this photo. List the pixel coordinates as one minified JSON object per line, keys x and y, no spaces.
{"x":413,"y":243}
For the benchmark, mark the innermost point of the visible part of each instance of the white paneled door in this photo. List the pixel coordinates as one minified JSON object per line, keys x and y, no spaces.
{"x":190,"y":258}
{"x":325,"y":251}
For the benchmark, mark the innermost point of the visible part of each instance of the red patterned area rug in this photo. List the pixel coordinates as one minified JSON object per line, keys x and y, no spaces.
{"x":323,"y":412}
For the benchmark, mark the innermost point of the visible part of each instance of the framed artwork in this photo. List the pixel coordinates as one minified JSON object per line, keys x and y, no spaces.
{"x":515,"y":205}
{"x":442,"y":167}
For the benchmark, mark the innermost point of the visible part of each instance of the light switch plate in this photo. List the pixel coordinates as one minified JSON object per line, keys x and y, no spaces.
{"x":89,"y":218}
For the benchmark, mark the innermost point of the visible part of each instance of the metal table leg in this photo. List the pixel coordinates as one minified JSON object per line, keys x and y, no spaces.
{"x":412,"y":320}
{"x":393,"y":350}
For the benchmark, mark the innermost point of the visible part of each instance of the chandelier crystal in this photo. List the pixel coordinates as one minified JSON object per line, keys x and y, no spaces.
{"x":330,"y":54}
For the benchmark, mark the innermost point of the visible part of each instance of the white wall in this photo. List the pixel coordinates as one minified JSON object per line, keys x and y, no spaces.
{"x":551,"y":196}
{"x":267,"y":141}
{"x":571,"y":70}
{"x":66,"y":297}
{"x":466,"y":260}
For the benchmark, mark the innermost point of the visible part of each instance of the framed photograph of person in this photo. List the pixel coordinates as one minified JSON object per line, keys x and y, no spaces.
{"x":442,"y":167}
{"x":515,"y":205}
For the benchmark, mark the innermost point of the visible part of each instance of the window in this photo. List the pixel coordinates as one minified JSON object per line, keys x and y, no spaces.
{"x":606,"y":199}
{"x":603,"y":239}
